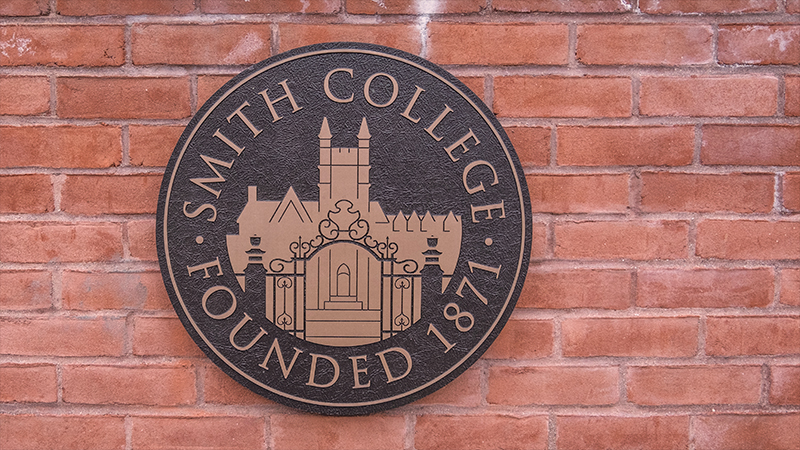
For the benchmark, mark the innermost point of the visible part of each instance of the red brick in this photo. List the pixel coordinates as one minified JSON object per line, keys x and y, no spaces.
{"x":401,"y":36}
{"x":352,"y":433}
{"x":595,"y":6}
{"x":134,"y":385}
{"x":498,"y":44}
{"x":751,"y":145}
{"x":729,"y":336}
{"x":532,"y":144}
{"x":744,"y":431}
{"x":31,"y":194}
{"x":142,"y":237}
{"x":484,"y":432}
{"x":523,"y":339}
{"x":694,"y":385}
{"x":188,"y":44}
{"x":734,"y":192}
{"x":553,"y":385}
{"x":625,"y":146}
{"x":792,"y":107}
{"x":705,"y":288}
{"x":67,"y":432}
{"x":63,"y":337}
{"x":709,"y":96}
{"x":28,"y":384}
{"x":759,"y":44}
{"x":207,"y":85}
{"x":791,"y":191}
{"x":551,"y":96}
{"x":24,"y":8}
{"x":793,"y":6}
{"x":24,"y":95}
{"x":707,"y":6}
{"x":133,"y":98}
{"x":98,"y":291}
{"x":97,"y":146}
{"x":539,"y":244}
{"x":556,"y":288}
{"x":623,"y":433}
{"x":644,"y":336}
{"x":162,"y":336}
{"x":785,"y":386}
{"x":463,"y":391}
{"x":268,"y":6}
{"x":124,"y":7}
{"x":645,"y":44}
{"x":790,"y":287}
{"x":475,"y":84}
{"x":562,"y":194}
{"x":209,"y":432}
{"x":748,"y":239}
{"x":616,"y":240}
{"x":405,"y":7}
{"x":25,"y":290}
{"x":49,"y":242}
{"x":62,"y":45}
{"x":153,"y":145}
{"x":108,"y":194}
{"x":218,"y":387}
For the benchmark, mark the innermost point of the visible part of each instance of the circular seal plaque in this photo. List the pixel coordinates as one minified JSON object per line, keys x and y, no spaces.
{"x":344,"y":228}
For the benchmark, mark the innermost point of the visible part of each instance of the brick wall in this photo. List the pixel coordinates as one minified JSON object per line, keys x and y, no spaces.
{"x":661,"y":144}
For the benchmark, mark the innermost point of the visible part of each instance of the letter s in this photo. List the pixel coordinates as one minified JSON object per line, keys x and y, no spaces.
{"x":199,"y":210}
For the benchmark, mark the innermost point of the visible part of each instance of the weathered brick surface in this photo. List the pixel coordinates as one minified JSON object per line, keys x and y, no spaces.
{"x":358,"y":433}
{"x":623,"y":433}
{"x":660,"y":144}
{"x":707,"y":6}
{"x":148,"y":385}
{"x":24,"y":95}
{"x":625,"y":146}
{"x":31,"y":194}
{"x":99,"y":194}
{"x":439,"y":432}
{"x":494,"y":44}
{"x":738,"y":431}
{"x":68,"y":432}
{"x":751,"y":145}
{"x":645,"y":44}
{"x":187,"y":44}
{"x":553,"y":385}
{"x":25,"y":290}
{"x":709,"y":96}
{"x":705,"y":288}
{"x":583,"y":288}
{"x":28,"y":383}
{"x":154,"y":433}
{"x":62,"y":45}
{"x":694,"y":385}
{"x":149,"y":98}
{"x":735,"y":192}
{"x":64,"y":146}
{"x":759,"y":44}
{"x":748,"y":239}
{"x":667,"y":337}
{"x":612,"y":240}
{"x":730,"y":336}
{"x":89,"y":291}
{"x":123,"y":7}
{"x":552,"y":96}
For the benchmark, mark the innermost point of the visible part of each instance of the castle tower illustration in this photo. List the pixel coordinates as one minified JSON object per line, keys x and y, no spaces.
{"x":337,"y":270}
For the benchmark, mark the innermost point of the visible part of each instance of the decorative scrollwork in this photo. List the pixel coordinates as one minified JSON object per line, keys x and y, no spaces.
{"x":284,"y":282}
{"x":284,"y":320}
{"x":402,"y":321}
{"x":278,"y":265}
{"x":408,"y":265}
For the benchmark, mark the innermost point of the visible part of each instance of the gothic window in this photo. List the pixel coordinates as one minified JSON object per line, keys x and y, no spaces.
{"x":343,"y":281}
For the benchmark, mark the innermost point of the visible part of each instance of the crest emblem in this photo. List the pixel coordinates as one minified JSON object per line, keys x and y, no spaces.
{"x":344,"y":228}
